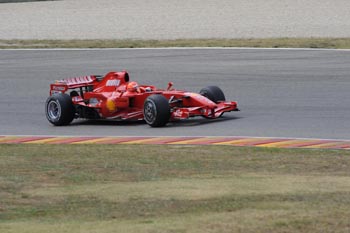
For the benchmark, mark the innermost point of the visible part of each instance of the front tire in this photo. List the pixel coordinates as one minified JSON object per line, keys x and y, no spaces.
{"x":213,"y":93}
{"x":156,"y":110}
{"x":59,"y":109}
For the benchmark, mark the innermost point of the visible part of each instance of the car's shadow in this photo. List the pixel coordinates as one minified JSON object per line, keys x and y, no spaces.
{"x":196,"y":121}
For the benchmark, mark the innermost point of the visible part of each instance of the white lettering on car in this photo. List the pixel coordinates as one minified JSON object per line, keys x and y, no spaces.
{"x":58,"y":88}
{"x":113,"y":83}
{"x":178,"y":113}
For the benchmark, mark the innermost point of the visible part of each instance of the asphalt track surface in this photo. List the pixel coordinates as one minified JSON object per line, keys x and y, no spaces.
{"x":281,"y":92}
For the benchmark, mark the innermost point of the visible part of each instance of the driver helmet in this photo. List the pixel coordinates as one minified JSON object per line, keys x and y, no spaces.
{"x":133,"y":87}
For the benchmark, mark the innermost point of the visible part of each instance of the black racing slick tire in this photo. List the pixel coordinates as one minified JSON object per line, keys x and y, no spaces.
{"x":156,"y":110}
{"x":59,"y":109}
{"x":213,"y":93}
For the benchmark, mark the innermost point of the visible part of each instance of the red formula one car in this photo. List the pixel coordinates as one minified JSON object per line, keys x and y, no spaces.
{"x":114,"y":96}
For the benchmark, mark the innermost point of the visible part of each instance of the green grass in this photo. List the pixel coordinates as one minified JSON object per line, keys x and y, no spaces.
{"x":337,"y":43}
{"x":172,"y":188}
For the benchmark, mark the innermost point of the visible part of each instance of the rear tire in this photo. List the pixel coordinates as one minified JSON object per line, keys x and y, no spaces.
{"x":213,"y":93}
{"x":59,"y":109}
{"x":156,"y":110}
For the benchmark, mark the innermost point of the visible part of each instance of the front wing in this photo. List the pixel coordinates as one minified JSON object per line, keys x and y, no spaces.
{"x":205,"y":111}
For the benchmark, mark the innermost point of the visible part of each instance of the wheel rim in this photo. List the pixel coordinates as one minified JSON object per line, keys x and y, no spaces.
{"x":54,"y":110}
{"x":150,"y":112}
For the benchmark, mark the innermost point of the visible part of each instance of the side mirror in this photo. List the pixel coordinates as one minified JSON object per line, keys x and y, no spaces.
{"x":170,"y":84}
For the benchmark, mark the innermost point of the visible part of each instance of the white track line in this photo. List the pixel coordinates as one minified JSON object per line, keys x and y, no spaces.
{"x":176,"y":48}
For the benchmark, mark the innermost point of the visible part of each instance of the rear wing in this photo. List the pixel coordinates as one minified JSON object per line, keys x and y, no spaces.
{"x":108,"y":83}
{"x":61,"y":86}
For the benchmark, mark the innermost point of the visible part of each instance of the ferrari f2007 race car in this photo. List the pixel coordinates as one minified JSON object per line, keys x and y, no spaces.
{"x":114,"y":96}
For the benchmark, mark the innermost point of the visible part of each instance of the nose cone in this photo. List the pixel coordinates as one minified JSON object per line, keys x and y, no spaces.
{"x":199,"y":100}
